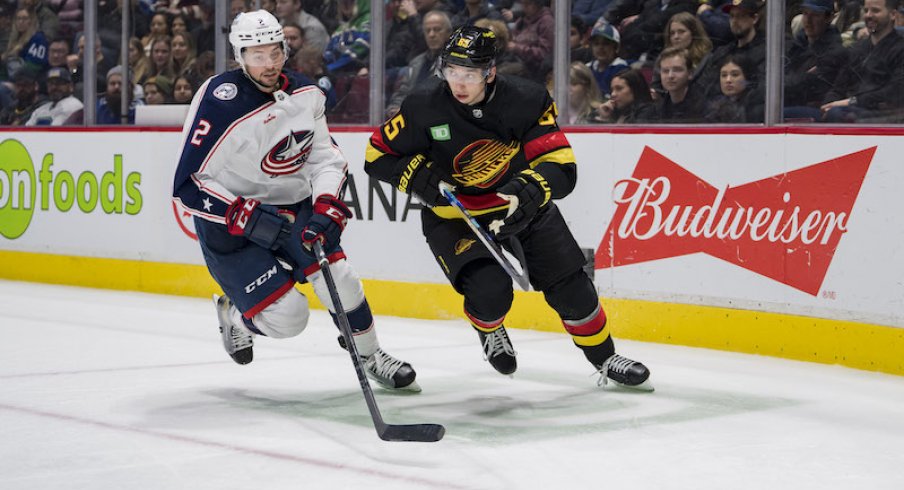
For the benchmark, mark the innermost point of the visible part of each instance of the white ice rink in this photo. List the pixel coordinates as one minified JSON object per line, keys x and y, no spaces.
{"x":107,"y":390}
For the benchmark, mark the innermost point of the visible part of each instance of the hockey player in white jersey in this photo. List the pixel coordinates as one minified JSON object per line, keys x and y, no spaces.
{"x":264,"y":180}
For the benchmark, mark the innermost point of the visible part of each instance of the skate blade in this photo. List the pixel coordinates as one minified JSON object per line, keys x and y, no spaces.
{"x":645,"y":387}
{"x":411,"y":388}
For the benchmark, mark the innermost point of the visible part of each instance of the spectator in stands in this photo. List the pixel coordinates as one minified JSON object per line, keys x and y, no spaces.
{"x":401,"y":33}
{"x":69,"y":13}
{"x":847,"y":19}
{"x":327,"y":11}
{"x":738,"y":102}
{"x":348,"y":51}
{"x":7,"y":14}
{"x":683,"y":102}
{"x":641,"y":24}
{"x":206,"y":67}
{"x":158,"y":90}
{"x":533,"y":37}
{"x":184,"y":54}
{"x":27,"y":97}
{"x":604,"y":43}
{"x":109,"y":107}
{"x":183,"y":90}
{"x":27,"y":46}
{"x":292,"y":12}
{"x":420,"y":71}
{"x":814,"y":59}
{"x":238,"y":6}
{"x":686,"y":32}
{"x":589,"y":11}
{"x":204,"y":29}
{"x":584,"y":97}
{"x":62,"y":103}
{"x":744,"y":19}
{"x":162,"y":58}
{"x":506,"y":62}
{"x":75,"y":62}
{"x":294,"y":36}
{"x":57,"y":52}
{"x":629,"y":101}
{"x":159,"y":29}
{"x":179,"y":25}
{"x":309,"y":62}
{"x":139,"y":63}
{"x":48,"y":21}
{"x":871,"y":86}
{"x":473,"y":11}
{"x":715,"y":21}
{"x":579,"y":41}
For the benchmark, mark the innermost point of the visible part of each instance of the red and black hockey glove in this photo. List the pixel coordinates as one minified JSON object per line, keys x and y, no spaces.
{"x":527,"y":194}
{"x":260,"y":223}
{"x":421,"y":178}
{"x":326,"y":224}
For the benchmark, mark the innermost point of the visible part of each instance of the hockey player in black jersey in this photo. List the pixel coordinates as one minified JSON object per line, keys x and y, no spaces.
{"x":497,"y":142}
{"x":263,"y":178}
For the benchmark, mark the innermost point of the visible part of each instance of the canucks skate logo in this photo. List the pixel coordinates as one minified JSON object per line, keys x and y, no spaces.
{"x":289,"y":154}
{"x":482,"y":163}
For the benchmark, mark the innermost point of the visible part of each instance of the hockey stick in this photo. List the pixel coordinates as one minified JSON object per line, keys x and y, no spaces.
{"x":387,"y":432}
{"x":488,"y":241}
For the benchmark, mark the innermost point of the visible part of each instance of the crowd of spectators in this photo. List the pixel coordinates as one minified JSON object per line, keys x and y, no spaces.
{"x":632,"y":61}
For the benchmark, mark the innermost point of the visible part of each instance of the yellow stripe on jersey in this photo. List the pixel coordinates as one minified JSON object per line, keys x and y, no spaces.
{"x":562,"y":155}
{"x":451,"y":212}
{"x":371,"y":153}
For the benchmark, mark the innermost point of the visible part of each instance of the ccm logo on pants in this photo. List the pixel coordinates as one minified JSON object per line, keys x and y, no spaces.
{"x":261,"y":280}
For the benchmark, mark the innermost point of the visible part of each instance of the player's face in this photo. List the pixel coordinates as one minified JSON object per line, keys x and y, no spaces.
{"x":468,"y":84}
{"x":264,"y":63}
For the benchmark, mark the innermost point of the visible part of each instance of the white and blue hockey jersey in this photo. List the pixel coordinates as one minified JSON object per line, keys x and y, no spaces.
{"x":240,"y":141}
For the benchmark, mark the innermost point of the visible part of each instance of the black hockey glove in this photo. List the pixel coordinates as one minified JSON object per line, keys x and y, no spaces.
{"x":526,"y":193}
{"x":326,"y":224}
{"x":261,"y":223}
{"x":422,"y":179}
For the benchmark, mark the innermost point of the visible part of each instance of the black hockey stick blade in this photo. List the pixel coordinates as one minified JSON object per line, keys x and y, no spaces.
{"x":521,"y":278}
{"x":412,"y":432}
{"x":387,"y":432}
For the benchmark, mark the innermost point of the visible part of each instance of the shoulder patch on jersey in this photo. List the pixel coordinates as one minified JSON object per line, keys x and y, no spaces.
{"x":226,"y":91}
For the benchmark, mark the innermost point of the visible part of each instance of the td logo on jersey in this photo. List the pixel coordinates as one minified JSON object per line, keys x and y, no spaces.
{"x":785,"y":227}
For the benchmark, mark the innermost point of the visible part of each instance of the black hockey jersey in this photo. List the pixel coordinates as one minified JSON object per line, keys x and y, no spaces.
{"x":477,"y":148}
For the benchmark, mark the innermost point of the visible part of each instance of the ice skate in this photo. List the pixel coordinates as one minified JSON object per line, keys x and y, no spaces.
{"x":387,"y":371}
{"x":498,"y":350}
{"x":237,"y":339}
{"x":625,"y":373}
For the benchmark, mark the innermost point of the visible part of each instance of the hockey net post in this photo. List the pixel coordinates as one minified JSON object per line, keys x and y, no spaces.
{"x":386,"y":432}
{"x":521,"y":278}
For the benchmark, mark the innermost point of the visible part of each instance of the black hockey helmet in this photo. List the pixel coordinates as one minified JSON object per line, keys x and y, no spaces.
{"x":470,"y":46}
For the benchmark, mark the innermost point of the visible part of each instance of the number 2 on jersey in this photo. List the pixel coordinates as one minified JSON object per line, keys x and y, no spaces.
{"x":201,"y":131}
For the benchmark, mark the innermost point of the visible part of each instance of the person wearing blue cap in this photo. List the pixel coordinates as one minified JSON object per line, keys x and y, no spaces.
{"x":604,"y":43}
{"x":815,"y":57}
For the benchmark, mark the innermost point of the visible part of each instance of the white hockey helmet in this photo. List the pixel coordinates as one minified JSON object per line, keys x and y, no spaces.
{"x":256,"y":28}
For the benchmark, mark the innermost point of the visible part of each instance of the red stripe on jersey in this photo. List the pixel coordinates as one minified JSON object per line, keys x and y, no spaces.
{"x":482,"y":324}
{"x":269,"y":299}
{"x":334,"y":257}
{"x":545,"y":144}
{"x":377,"y":141}
{"x":591,"y":327}
{"x":482,"y":201}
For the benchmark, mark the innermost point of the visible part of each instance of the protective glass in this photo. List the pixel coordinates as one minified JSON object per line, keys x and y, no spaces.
{"x":460,"y":74}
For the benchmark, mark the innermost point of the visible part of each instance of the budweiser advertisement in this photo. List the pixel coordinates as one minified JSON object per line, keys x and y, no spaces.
{"x":785,"y":227}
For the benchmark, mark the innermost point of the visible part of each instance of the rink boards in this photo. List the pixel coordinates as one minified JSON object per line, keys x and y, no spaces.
{"x":781,"y":242}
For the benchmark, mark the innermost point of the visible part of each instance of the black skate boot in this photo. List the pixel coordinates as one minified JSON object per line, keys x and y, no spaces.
{"x":625,"y":373}
{"x":387,"y":371}
{"x":237,"y":339}
{"x":498,"y":350}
